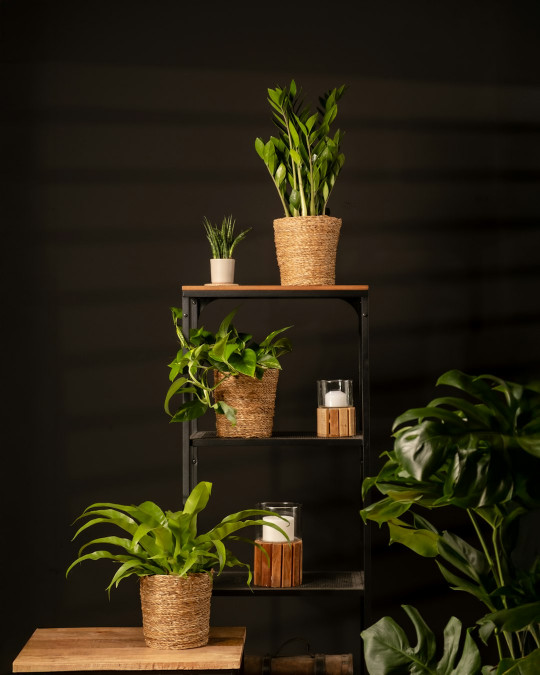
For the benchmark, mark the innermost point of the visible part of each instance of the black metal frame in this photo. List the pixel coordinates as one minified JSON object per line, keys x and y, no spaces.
{"x":194,"y":299}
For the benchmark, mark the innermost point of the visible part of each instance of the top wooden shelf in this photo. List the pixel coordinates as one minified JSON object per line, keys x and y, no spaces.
{"x":238,"y":291}
{"x":284,"y":289}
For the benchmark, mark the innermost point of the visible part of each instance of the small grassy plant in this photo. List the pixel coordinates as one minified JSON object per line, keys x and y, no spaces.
{"x":222,"y":238}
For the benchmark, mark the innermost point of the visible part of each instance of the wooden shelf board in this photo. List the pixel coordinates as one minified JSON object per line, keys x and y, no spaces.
{"x":281,"y":289}
{"x":108,"y":649}
{"x":276,"y":292}
{"x":201,"y":438}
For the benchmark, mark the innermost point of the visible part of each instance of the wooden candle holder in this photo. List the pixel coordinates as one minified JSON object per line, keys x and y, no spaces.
{"x":336,"y":421}
{"x":284,"y":568}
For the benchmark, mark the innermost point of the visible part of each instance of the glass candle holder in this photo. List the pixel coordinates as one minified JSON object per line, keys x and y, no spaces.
{"x":292,"y":525}
{"x":336,"y":415}
{"x":278,"y":561}
{"x":335,"y":393}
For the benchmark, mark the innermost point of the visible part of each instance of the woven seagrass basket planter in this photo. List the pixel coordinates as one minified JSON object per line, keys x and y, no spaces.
{"x":254,"y":401}
{"x":176,"y":610}
{"x":306,"y":248}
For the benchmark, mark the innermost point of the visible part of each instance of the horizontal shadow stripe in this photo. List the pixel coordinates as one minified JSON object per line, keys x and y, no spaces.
{"x":464,"y":326}
{"x":207,"y":118}
{"x":379,"y":386}
{"x":163,"y":176}
{"x":495,"y":226}
{"x":458,"y":278}
{"x":354,"y":231}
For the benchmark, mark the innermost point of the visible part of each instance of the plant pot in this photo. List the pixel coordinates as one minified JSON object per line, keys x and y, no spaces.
{"x":254,"y":401}
{"x":222,"y":270}
{"x":306,"y":248}
{"x":176,"y":610}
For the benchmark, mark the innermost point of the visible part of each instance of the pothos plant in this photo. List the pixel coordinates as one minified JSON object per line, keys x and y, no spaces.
{"x":222,"y":239}
{"x":227,"y":351}
{"x":304,"y":159}
{"x":166,"y":542}
{"x":478,"y":451}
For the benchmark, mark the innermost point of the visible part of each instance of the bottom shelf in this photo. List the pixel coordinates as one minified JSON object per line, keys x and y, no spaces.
{"x":316,"y":583}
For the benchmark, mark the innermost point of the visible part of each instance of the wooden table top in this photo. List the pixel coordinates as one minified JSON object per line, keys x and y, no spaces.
{"x":97,"y":649}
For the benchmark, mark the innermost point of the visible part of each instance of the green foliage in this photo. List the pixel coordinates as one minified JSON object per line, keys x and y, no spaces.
{"x":222,"y":240}
{"x":478,"y":451}
{"x":526,"y":665}
{"x":304,"y":159}
{"x":387,"y":650}
{"x":227,"y":351}
{"x":166,"y":542}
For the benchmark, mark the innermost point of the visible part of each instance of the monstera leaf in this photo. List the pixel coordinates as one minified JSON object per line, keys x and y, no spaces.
{"x":527,"y":665}
{"x":473,"y":450}
{"x":387,"y":650}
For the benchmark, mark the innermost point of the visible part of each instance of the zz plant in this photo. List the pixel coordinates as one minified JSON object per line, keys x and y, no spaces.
{"x":227,"y":351}
{"x":304,"y":159}
{"x":222,"y":239}
{"x":166,"y":542}
{"x":478,"y":451}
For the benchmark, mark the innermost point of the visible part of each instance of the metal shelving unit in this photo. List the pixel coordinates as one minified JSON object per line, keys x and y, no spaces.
{"x":194,"y":299}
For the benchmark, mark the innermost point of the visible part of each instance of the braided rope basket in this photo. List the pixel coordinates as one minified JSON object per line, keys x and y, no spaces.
{"x":176,"y":610}
{"x":306,"y":248}
{"x":254,"y":401}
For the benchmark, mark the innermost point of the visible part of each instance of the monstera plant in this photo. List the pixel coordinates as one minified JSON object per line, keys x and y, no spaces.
{"x":387,"y":648}
{"x":478,"y":451}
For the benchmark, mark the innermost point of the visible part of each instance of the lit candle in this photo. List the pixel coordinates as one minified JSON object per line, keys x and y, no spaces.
{"x":335,"y":399}
{"x":287,"y":525}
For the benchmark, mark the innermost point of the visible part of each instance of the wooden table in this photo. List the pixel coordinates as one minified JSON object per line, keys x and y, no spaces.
{"x":113,"y":649}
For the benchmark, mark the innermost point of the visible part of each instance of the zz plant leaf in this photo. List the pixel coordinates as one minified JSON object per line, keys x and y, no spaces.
{"x":304,"y":161}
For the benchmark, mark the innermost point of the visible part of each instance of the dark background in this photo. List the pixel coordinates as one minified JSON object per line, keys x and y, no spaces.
{"x":123,"y":124}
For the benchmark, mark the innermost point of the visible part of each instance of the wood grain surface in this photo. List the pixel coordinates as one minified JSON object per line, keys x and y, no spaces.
{"x":236,"y":287}
{"x":96,"y":649}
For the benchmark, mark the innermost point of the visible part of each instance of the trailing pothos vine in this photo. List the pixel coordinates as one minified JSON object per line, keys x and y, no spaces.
{"x":228,"y":351}
{"x":478,"y":451}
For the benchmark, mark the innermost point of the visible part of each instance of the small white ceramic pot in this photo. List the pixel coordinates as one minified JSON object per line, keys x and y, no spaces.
{"x":222,"y":270}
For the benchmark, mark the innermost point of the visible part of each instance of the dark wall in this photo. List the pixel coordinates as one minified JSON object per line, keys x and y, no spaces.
{"x":123,"y":124}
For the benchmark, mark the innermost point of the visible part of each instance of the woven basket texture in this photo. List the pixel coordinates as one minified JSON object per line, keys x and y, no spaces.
{"x":306,"y":248}
{"x":254,"y":401}
{"x":176,"y":610}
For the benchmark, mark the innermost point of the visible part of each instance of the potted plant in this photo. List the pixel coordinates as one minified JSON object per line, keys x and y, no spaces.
{"x":228,"y":372}
{"x":174,"y":563}
{"x":478,"y":451}
{"x":304,"y":161}
{"x":222,"y":243}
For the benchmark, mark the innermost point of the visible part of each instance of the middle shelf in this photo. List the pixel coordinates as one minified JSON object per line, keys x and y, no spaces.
{"x":313,"y":583}
{"x":200,"y":438}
